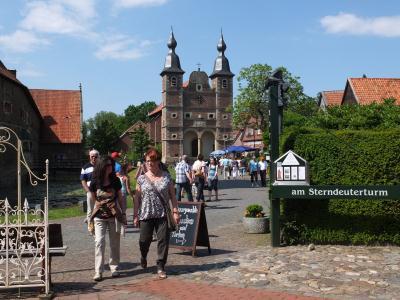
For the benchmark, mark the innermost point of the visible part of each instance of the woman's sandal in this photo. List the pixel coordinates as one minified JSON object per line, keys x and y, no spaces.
{"x":162,"y":274}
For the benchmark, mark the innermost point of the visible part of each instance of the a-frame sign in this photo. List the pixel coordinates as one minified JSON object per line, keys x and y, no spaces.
{"x":192,"y":229}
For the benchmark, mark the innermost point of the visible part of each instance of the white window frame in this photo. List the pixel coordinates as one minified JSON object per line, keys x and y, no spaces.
{"x":174,"y":115}
{"x":211,"y":116}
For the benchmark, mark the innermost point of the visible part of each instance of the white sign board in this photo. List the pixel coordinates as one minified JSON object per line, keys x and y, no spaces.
{"x":291,"y":169}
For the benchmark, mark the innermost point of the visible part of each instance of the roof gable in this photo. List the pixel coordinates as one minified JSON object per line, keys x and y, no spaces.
{"x":332,"y":97}
{"x":61,"y":112}
{"x":369,"y":90}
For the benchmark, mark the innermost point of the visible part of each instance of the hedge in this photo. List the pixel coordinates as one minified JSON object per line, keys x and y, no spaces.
{"x":345,"y":158}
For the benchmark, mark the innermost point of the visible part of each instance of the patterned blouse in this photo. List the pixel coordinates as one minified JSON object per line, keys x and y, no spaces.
{"x":151,"y":206}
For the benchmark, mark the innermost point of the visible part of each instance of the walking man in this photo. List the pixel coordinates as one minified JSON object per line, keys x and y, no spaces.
{"x":86,"y":177}
{"x":263,"y":165}
{"x":183,"y":179}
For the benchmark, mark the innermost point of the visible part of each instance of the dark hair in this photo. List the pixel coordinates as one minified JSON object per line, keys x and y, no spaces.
{"x":200,"y":157}
{"x":153,"y":154}
{"x":99,"y":171}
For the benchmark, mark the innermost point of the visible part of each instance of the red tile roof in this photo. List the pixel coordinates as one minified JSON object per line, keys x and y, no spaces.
{"x":369,"y":90}
{"x":156,"y":110}
{"x":61,"y":112}
{"x":333,"y":97}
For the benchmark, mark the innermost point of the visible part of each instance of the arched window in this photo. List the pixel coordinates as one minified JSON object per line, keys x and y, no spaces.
{"x":224,"y":83}
{"x":173,"y":81}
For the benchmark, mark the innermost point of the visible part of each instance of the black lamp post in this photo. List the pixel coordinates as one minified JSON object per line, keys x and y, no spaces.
{"x":276,"y":87}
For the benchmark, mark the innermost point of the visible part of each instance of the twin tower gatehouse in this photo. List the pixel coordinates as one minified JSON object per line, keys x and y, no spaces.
{"x":196,"y":116}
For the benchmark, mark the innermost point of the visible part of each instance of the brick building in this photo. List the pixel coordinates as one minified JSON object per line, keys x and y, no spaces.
{"x":19,"y":112}
{"x":48,"y":122}
{"x":194,"y":115}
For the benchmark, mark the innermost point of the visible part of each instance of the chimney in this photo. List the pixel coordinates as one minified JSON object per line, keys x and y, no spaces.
{"x":14,"y":72}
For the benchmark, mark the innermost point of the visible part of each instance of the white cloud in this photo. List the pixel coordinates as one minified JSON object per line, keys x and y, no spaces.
{"x":138,"y":3}
{"x":59,"y":16}
{"x":351,"y":24}
{"x":121,"y":47}
{"x":21,"y":41}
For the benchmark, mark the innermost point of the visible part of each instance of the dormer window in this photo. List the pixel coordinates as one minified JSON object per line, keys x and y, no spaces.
{"x":199,"y":87}
{"x":224,"y":83}
{"x":173,"y":81}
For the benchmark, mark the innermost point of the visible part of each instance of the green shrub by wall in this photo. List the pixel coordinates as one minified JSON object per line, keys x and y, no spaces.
{"x":345,"y":158}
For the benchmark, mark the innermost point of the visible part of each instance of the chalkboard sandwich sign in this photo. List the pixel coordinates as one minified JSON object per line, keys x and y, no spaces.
{"x":192,"y":230}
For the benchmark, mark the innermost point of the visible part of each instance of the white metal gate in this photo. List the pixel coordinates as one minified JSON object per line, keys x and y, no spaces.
{"x":24,"y":250}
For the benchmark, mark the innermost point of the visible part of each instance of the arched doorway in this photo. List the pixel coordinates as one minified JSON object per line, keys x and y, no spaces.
{"x":190,"y":147}
{"x":207,"y":143}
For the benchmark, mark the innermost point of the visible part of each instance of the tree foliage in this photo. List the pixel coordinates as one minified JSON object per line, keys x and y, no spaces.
{"x":135,"y":113}
{"x":372,"y":116}
{"x":251,"y":105}
{"x":103,"y":131}
{"x":140,"y":142}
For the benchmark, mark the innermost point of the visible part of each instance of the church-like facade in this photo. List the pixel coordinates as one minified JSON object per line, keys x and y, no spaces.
{"x":195,"y":115}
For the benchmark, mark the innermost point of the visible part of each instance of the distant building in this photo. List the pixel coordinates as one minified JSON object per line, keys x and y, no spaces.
{"x":368,"y":90}
{"x":49,"y":123}
{"x":362,"y":91}
{"x":194,"y":116}
{"x":329,"y":98}
{"x":61,"y":132}
{"x":124,"y":143}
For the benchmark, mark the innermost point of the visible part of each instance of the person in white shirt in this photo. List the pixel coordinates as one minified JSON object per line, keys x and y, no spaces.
{"x":199,"y":170}
{"x":262,"y":166}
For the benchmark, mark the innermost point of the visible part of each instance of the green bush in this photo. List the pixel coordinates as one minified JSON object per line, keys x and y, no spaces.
{"x":254,"y":211}
{"x":345,"y":158}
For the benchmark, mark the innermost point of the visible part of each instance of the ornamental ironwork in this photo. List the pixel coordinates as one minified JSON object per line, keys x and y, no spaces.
{"x":24,"y":251}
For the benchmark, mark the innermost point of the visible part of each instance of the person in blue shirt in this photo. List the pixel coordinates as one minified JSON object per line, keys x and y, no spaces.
{"x":117,"y":165}
{"x":253,"y":169}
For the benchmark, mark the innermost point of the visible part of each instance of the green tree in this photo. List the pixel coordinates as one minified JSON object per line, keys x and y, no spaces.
{"x":140,"y":143}
{"x":103,"y":131}
{"x":251,"y":104}
{"x":134,"y":113}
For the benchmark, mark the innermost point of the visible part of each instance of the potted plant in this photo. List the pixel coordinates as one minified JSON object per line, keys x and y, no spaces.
{"x":254,"y":220}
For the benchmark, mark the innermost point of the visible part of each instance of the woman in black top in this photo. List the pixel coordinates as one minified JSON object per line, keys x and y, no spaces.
{"x":106,"y":215}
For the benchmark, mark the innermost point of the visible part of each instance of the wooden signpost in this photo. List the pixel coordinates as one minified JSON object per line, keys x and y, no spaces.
{"x":192,"y":229}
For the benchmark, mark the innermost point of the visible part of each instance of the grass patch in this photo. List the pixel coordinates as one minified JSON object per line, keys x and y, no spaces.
{"x":67,"y":212}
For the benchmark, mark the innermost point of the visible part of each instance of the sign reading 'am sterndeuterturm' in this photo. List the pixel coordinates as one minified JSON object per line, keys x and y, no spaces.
{"x":291,"y":169}
{"x":336,"y":192}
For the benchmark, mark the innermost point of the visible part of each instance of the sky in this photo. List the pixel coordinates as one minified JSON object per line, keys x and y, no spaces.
{"x":116,"y":48}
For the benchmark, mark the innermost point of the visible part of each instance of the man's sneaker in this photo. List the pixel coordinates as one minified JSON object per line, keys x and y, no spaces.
{"x":115,"y":273}
{"x":98,"y":277}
